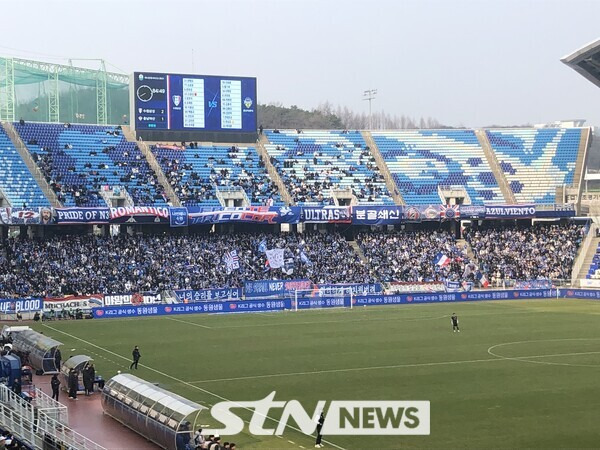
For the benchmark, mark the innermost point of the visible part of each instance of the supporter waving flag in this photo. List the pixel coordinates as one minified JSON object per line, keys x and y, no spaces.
{"x":232,"y":261}
{"x":441,"y":260}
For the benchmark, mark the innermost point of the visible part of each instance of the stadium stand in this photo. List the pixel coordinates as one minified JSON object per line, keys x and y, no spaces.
{"x":409,"y":256}
{"x":594,"y":268}
{"x":91,"y":264}
{"x":422,"y":160}
{"x":536,"y":161}
{"x":80,"y":160}
{"x":193,"y":172}
{"x":312,"y":162}
{"x":16,"y":181}
{"x":541,"y":251}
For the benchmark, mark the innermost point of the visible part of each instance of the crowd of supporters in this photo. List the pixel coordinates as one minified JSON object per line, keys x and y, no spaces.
{"x":310,"y":179}
{"x":192,"y":187}
{"x":125,"y":263}
{"x":138,"y":263}
{"x":409,"y":256}
{"x":526,"y":253}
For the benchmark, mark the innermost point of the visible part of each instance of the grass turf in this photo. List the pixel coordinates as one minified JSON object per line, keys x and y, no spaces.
{"x":495,"y":384}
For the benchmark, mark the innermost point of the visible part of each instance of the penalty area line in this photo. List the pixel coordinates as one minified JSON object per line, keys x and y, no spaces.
{"x":166,"y":375}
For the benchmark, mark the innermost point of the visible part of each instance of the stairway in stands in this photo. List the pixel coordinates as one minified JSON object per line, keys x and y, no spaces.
{"x":358,"y":251}
{"x":383,"y":168}
{"x":31,"y":165}
{"x":508,"y":194}
{"x":273,"y":174}
{"x":154,"y":165}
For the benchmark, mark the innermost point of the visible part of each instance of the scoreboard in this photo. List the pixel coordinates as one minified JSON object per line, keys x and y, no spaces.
{"x":193,"y":103}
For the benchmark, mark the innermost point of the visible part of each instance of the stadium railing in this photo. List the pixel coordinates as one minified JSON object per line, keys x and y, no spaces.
{"x":40,"y":424}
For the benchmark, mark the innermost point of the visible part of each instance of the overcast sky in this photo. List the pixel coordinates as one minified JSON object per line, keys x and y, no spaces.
{"x":470,"y":63}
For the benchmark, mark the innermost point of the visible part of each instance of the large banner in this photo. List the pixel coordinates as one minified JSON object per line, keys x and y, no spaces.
{"x":453,"y":297}
{"x":581,"y":293}
{"x":326,"y":302}
{"x":73,"y":302}
{"x":139,"y":214}
{"x":376,"y":215}
{"x":271,"y":288}
{"x":25,"y":216}
{"x":132,"y":299}
{"x":325,"y":290}
{"x":510,"y":212}
{"x":419,"y":213}
{"x":198,"y":215}
{"x":81,"y":216}
{"x":193,"y":308}
{"x":9,"y":306}
{"x":206,"y":295}
{"x":326,"y":214}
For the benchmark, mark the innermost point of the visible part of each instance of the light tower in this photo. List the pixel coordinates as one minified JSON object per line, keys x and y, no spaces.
{"x":370,"y":95}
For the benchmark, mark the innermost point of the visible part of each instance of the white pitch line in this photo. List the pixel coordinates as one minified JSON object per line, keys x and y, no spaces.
{"x":189,"y":323}
{"x":166,"y":375}
{"x":398,"y":366}
{"x":349,"y":369}
{"x":528,"y":358}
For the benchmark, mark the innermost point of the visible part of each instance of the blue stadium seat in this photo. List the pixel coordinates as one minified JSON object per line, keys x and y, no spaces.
{"x":194,"y":172}
{"x":308,"y":159}
{"x":422,"y":160}
{"x":536,"y":161}
{"x":113,"y":160}
{"x":16,"y":181}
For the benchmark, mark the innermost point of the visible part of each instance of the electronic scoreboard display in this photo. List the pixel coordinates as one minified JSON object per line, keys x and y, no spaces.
{"x":175,"y":102}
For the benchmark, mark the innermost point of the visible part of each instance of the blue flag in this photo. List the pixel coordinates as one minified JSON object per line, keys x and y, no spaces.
{"x":262,"y":246}
{"x":305,"y":259}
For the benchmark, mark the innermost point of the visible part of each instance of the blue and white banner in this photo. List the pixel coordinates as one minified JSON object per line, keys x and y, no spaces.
{"x":259,"y":305}
{"x":205,"y":295}
{"x":458,"y":286}
{"x":23,"y":216}
{"x":12,"y":306}
{"x":345,"y":289}
{"x":238,"y":306}
{"x":326,"y":214}
{"x":581,"y":293}
{"x":270,"y":288}
{"x":81,"y":215}
{"x":472,"y":211}
{"x":533,"y":284}
{"x":140,"y":214}
{"x":199,"y":215}
{"x":376,"y":215}
{"x":510,"y":212}
{"x":179,"y":217}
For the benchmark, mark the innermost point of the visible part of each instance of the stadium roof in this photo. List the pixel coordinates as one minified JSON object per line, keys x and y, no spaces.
{"x":586,"y":61}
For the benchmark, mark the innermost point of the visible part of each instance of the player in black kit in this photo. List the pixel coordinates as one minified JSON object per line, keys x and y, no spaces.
{"x":454,"y":320}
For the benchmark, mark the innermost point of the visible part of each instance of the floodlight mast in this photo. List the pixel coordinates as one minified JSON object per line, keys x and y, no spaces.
{"x":369,"y":95}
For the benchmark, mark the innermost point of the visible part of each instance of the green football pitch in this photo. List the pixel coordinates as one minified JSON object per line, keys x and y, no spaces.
{"x":519,"y":374}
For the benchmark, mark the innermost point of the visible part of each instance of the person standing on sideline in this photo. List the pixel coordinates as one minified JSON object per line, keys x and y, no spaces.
{"x":73,"y":384}
{"x":136,"y":358}
{"x":454,"y":320}
{"x":55,"y":383}
{"x":320,"y":423}
{"x":57,"y":359}
{"x":86,"y":380}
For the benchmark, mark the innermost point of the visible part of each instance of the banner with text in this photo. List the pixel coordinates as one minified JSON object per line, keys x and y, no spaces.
{"x":11,"y":306}
{"x":376,"y":215}
{"x":326,"y":214}
{"x":270,"y":288}
{"x":205,"y":295}
{"x":198,"y":215}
